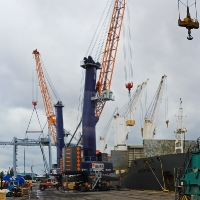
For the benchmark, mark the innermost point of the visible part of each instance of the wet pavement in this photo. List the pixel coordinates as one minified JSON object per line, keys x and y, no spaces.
{"x":124,"y":194}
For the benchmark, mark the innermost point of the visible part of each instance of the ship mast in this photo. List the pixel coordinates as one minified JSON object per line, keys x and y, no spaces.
{"x":180,"y":131}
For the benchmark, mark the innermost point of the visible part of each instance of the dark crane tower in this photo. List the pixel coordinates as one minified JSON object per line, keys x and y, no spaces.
{"x":89,"y":119}
{"x":96,"y":94}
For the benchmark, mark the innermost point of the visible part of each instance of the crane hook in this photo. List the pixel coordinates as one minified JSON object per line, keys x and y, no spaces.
{"x":129,"y":86}
{"x":189,"y":35}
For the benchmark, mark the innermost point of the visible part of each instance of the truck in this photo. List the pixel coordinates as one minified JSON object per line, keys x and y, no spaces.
{"x":48,"y":183}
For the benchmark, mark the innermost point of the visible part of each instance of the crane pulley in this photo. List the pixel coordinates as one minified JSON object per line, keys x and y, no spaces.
{"x":188,"y":22}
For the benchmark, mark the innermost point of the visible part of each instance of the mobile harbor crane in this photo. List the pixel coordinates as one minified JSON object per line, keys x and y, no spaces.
{"x":90,"y":168}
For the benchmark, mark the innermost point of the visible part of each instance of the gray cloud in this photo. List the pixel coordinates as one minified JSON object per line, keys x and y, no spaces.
{"x":62,"y":31}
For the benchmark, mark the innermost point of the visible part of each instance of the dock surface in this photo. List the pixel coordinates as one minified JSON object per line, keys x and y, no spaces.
{"x":123,"y":194}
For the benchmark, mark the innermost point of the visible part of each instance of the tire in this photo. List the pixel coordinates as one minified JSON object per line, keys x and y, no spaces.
{"x":82,"y":188}
{"x":104,"y":188}
{"x":42,"y":188}
{"x":9,"y":194}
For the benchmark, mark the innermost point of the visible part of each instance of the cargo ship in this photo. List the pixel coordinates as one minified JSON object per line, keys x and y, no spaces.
{"x":151,"y":165}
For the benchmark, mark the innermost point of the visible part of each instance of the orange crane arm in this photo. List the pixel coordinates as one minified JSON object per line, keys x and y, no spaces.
{"x":109,"y":54}
{"x":48,"y":105}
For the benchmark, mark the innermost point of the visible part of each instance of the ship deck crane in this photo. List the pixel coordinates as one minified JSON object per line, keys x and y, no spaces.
{"x":150,"y":118}
{"x":120,"y":123}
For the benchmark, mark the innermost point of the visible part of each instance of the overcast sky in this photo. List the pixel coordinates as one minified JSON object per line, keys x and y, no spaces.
{"x":62,"y":31}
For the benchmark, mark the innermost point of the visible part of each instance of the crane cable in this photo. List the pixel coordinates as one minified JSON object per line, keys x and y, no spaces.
{"x":127,"y":50}
{"x":103,"y":31}
{"x":49,"y":82}
{"x":141,"y":113}
{"x":187,"y":6}
{"x":196,"y":9}
{"x":34,"y":109}
{"x":34,"y":86}
{"x":155,"y":176}
{"x":92,"y":41}
{"x":80,"y":104}
{"x":128,"y":59}
{"x":153,"y":103}
{"x":166,"y":101}
{"x":106,"y":128}
{"x":129,"y":46}
{"x":141,"y":117}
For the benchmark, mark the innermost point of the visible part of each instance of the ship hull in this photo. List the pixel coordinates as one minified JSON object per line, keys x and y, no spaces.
{"x":153,"y":173}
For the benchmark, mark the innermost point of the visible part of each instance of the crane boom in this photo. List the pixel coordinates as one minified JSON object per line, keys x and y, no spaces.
{"x":110,"y":50}
{"x":150,"y":117}
{"x":48,"y":105}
